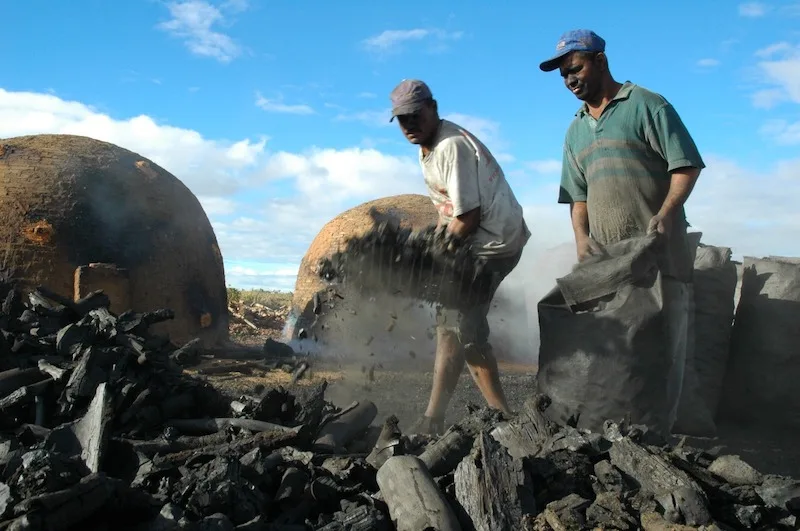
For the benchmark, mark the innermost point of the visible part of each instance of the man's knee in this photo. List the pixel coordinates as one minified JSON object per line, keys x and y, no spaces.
{"x":479,"y":355}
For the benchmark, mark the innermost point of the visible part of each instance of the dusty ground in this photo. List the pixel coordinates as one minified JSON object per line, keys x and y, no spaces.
{"x":403,"y":391}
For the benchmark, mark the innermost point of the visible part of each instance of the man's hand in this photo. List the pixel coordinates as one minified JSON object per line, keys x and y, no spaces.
{"x":586,"y":247}
{"x":661,"y":224}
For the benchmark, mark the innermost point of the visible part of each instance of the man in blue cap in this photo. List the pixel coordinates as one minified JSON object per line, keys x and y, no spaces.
{"x":629,"y":165}
{"x":476,"y":204}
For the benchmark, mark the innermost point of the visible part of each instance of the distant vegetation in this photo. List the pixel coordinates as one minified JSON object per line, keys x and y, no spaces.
{"x":270,"y":298}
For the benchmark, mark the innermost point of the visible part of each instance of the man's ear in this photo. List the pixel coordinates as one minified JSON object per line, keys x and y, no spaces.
{"x":602,"y":60}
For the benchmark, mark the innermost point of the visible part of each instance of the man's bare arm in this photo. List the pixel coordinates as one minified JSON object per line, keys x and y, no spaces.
{"x":580,"y":220}
{"x":465,"y":224}
{"x":681,"y":186}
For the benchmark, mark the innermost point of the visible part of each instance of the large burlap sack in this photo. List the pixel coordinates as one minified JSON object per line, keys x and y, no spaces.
{"x":604,"y":352}
{"x":764,"y":366}
{"x":713,"y":288}
{"x":715,"y":279}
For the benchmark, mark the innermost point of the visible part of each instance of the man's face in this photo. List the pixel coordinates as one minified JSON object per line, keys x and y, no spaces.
{"x":419,"y":127}
{"x":583,"y":75}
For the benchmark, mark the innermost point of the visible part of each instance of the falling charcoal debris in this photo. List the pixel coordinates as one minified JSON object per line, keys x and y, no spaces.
{"x":427,"y":264}
{"x":100,"y":428}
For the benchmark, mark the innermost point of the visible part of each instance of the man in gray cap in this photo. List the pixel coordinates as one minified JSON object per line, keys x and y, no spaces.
{"x":476,"y":204}
{"x":629,"y":166}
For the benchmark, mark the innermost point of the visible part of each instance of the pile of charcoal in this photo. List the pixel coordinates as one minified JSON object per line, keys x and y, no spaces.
{"x":429,"y":265}
{"x":101,"y":429}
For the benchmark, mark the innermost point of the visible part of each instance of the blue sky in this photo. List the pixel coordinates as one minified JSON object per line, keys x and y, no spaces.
{"x":275,"y":114}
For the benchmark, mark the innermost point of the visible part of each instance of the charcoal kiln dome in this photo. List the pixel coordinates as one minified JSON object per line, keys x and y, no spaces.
{"x":81,"y":214}
{"x":409,"y":210}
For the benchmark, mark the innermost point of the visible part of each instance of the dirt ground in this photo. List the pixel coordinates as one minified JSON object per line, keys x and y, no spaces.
{"x":404,"y":391}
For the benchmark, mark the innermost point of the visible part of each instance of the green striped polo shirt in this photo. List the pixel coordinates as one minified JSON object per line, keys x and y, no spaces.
{"x":620,"y":166}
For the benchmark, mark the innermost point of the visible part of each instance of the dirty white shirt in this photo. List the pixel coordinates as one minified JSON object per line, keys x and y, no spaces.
{"x":461,"y":174}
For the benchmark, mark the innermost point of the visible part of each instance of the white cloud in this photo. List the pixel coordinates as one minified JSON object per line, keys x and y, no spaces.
{"x":369,"y":95}
{"x":783,"y":132}
{"x":547,"y":167}
{"x":372,"y":118}
{"x":194,"y":22}
{"x":213,"y":167}
{"x":708,"y":63}
{"x":339,"y":175}
{"x":280,"y":107}
{"x":779,"y":67}
{"x":487,"y":131}
{"x":391,"y":40}
{"x":753,"y":9}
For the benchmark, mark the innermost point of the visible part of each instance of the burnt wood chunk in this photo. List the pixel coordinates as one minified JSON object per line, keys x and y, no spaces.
{"x":681,"y":497}
{"x":443,"y":455}
{"x":88,"y":436}
{"x":414,"y":500}
{"x":337,"y":433}
{"x":492,"y":487}
{"x":390,"y":443}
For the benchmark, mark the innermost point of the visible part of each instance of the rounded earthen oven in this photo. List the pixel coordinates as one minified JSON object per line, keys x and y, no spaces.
{"x":362,"y":327}
{"x":80,"y":214}
{"x":409,"y":210}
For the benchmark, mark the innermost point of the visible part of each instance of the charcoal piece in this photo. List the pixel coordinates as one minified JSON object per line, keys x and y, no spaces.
{"x":609,"y":477}
{"x":277,"y":349}
{"x":189,"y":354}
{"x":24,"y":395}
{"x":85,"y":377}
{"x":357,"y":518}
{"x":666,"y":482}
{"x":175,"y":406}
{"x":292,"y":486}
{"x":527,"y":434}
{"x":137,"y":323}
{"x":218,"y":487}
{"x":39,"y":471}
{"x":48,"y":369}
{"x":5,"y":498}
{"x":684,"y":505}
{"x":336,"y":434}
{"x":653,"y":521}
{"x":65,"y":508}
{"x":389,"y":443}
{"x":88,"y":436}
{"x":567,"y":513}
{"x":13,"y":379}
{"x":743,"y":516}
{"x":412,"y":496}
{"x":12,"y":304}
{"x":309,"y":406}
{"x":167,"y":519}
{"x":299,"y":371}
{"x":560,"y":474}
{"x":492,"y":487}
{"x":609,"y":511}
{"x":780,"y":492}
{"x":266,"y":440}
{"x":216,"y":522}
{"x":71,"y":338}
{"x":735,"y":471}
{"x":207,"y":426}
{"x":443,"y":455}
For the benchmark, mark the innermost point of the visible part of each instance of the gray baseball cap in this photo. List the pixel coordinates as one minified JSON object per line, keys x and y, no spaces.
{"x":409,"y":96}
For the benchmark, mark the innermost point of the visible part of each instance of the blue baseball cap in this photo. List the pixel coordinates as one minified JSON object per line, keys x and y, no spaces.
{"x":581,"y":40}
